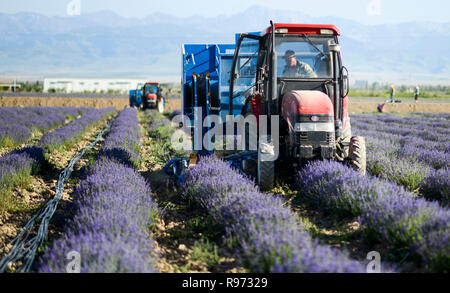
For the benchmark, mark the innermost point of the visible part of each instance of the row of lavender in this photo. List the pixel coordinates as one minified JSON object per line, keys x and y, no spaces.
{"x":411,"y":227}
{"x":266,"y":235}
{"x":17,"y":124}
{"x":66,"y":135}
{"x":113,"y":210}
{"x":23,"y":116}
{"x":412,"y":151}
{"x":17,"y":166}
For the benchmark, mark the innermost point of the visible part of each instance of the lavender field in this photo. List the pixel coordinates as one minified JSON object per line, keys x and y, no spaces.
{"x":411,"y":151}
{"x":113,"y":210}
{"x":28,"y":171}
{"x":122,"y":214}
{"x":18,"y":124}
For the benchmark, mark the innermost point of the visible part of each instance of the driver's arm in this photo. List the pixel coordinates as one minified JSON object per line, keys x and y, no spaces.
{"x":308,"y":71}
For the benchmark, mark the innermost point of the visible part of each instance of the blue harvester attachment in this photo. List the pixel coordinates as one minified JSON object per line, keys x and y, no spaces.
{"x":136,"y":98}
{"x":205,"y":91}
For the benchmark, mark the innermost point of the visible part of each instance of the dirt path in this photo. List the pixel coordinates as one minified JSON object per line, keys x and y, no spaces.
{"x":42,"y":188}
{"x":187,"y":241}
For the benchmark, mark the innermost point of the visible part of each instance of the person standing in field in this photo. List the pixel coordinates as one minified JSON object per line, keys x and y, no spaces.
{"x":416,"y":93}
{"x":392,"y":94}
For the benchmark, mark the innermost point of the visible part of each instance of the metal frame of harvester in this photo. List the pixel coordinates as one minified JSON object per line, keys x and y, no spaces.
{"x":245,"y":78}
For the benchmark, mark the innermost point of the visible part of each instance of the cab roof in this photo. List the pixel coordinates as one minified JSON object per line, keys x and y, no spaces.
{"x":312,"y":29}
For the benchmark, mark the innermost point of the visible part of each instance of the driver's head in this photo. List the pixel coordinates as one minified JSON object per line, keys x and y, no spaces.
{"x":291,"y":59}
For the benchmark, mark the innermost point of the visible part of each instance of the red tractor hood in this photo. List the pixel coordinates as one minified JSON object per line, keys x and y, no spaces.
{"x":306,"y":102}
{"x":151,"y":96}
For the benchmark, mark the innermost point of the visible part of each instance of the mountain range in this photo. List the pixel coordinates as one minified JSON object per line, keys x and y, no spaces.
{"x":104,"y":44}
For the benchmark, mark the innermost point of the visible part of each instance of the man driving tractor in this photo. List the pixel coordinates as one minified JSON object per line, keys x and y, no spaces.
{"x":295,"y":68}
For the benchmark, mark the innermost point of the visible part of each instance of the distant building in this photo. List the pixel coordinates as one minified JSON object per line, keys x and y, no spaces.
{"x":80,"y":85}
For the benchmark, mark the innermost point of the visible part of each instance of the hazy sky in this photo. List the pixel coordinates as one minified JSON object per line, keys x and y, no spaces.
{"x":364,"y":11}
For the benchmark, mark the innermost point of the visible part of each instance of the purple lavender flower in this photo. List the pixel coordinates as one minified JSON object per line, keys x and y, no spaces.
{"x":122,"y":143}
{"x":68,"y":133}
{"x":404,"y":149}
{"x":266,"y":234}
{"x":101,"y":253}
{"x":397,"y":217}
{"x":437,"y":186}
{"x":18,"y":165}
{"x":17,"y":134}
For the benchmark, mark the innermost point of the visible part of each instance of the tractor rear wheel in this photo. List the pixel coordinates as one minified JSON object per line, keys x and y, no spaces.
{"x":160,"y":106}
{"x":266,"y":172}
{"x":357,"y":154}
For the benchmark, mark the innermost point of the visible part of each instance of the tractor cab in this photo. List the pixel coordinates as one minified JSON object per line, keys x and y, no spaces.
{"x":296,"y":73}
{"x":151,"y":88}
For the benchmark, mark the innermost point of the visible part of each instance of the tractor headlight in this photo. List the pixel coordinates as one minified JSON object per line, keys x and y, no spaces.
{"x":308,"y":126}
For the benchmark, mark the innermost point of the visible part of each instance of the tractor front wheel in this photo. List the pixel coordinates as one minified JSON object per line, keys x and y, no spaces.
{"x":357,"y":154}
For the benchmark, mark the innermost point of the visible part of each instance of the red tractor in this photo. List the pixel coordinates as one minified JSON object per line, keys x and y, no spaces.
{"x":297,"y":73}
{"x":152,"y":96}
